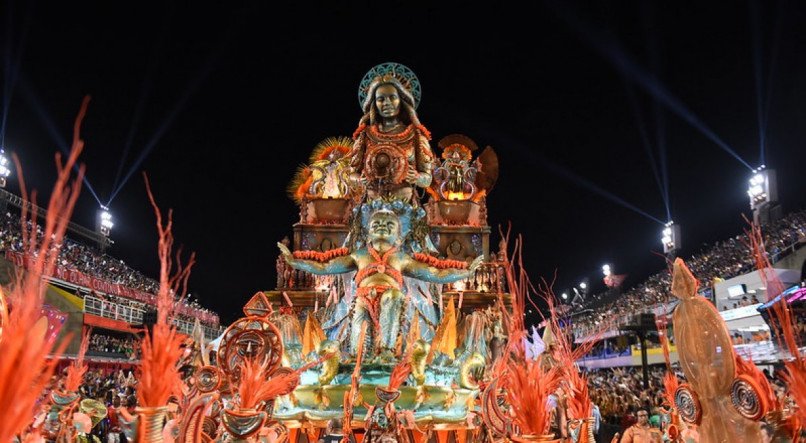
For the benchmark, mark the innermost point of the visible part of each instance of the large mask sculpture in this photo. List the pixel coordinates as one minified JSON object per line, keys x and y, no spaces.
{"x":712,"y":399}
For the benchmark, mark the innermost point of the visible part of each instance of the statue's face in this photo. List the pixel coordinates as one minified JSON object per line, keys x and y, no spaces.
{"x":385,"y":227}
{"x":387,"y":100}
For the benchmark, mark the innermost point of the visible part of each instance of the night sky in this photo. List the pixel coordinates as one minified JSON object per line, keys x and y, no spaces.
{"x":232,"y":98}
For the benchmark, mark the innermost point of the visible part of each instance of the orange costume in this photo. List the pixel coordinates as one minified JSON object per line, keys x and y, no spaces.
{"x":641,"y":434}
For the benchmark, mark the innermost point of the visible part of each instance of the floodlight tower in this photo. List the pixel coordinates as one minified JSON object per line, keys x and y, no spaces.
{"x":763,"y":193}
{"x":5,"y":168}
{"x":104,"y":227}
{"x":670,"y":238}
{"x":5,"y":173}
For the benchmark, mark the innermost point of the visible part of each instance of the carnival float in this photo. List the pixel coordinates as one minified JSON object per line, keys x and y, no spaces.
{"x":391,"y":319}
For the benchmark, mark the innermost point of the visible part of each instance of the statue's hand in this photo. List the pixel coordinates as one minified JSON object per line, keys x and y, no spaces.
{"x":412,"y":176}
{"x":475,"y":264}
{"x":286,"y":253}
{"x":358,"y":180}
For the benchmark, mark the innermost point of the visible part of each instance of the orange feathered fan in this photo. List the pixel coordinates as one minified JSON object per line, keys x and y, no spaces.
{"x":161,"y":348}
{"x":25,"y":369}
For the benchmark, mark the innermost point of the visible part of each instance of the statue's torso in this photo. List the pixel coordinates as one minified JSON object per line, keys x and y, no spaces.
{"x":389,"y":155}
{"x":371,"y":272}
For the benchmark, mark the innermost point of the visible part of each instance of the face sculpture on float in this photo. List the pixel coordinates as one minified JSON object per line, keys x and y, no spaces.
{"x":712,"y":398}
{"x":381,"y":266}
{"x":391,"y":154}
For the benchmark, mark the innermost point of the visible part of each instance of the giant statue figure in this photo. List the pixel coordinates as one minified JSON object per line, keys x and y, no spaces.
{"x":391,"y":153}
{"x":381,"y":265}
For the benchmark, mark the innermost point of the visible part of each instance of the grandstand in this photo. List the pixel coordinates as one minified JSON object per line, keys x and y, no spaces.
{"x":91,"y":288}
{"x":728,"y":279}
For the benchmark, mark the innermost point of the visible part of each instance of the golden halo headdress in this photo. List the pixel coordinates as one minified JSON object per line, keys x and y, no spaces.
{"x":390,"y":72}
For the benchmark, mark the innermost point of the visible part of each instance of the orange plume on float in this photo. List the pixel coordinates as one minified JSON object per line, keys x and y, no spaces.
{"x":670,"y":385}
{"x":161,"y":348}
{"x":563,"y":354}
{"x":25,"y":369}
{"x":528,"y":387}
{"x":76,"y":371}
{"x":670,"y":381}
{"x":331,"y":147}
{"x":255,"y":386}
{"x":401,"y":370}
{"x":528,"y":383}
{"x":753,"y":375}
{"x":782,"y":324}
{"x":352,"y":396}
{"x":399,"y":375}
{"x":300,"y":184}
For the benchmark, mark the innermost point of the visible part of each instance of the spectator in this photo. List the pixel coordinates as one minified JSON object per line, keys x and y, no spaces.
{"x":641,"y":432}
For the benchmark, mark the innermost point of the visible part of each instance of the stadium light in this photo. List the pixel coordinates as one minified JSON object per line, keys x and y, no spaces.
{"x":105,"y":221}
{"x":606,"y":270}
{"x":5,"y":168}
{"x":763,"y":192}
{"x":670,"y":238}
{"x":565,"y":296}
{"x":583,"y":285}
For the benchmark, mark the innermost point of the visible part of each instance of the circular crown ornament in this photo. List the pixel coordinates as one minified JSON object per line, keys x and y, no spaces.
{"x":745,"y":394}
{"x":401,"y":73}
{"x":688,"y":404}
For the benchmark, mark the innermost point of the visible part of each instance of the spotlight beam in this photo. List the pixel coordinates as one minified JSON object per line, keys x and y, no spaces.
{"x":639,"y":121}
{"x":145,"y":92}
{"x":460,"y":115}
{"x":660,"y":139}
{"x":571,"y":176}
{"x":193,"y":86}
{"x":585,"y":183}
{"x":609,"y":49}
{"x":33,"y":100}
{"x":776,"y":44}
{"x":653,"y":48}
{"x":12,"y":66}
{"x":758,"y":60}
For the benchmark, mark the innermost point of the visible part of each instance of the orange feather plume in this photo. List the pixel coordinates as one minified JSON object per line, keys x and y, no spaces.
{"x":528,"y":383}
{"x":161,"y":349}
{"x":782,"y":323}
{"x":76,"y":371}
{"x":749,"y":369}
{"x":565,"y":356}
{"x":352,"y":395}
{"x":254,"y":388}
{"x":670,"y":385}
{"x":670,"y":381}
{"x":25,"y":369}
{"x":401,"y":370}
{"x":528,"y":387}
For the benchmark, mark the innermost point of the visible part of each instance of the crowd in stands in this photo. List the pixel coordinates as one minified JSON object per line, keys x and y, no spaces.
{"x":90,"y":261}
{"x":619,"y":394}
{"x":724,"y":260}
{"x":117,"y":346}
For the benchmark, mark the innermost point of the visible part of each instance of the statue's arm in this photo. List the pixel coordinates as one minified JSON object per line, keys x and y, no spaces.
{"x":337,"y":265}
{"x":425,"y":166}
{"x":431,"y":274}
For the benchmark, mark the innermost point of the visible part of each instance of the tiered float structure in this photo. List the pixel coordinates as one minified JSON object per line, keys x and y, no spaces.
{"x":392,"y":246}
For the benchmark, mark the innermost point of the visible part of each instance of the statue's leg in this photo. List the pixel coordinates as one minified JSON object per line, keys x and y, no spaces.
{"x":391,"y":306}
{"x":359,"y":317}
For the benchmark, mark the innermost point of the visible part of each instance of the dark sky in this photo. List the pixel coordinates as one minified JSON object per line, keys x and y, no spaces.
{"x":233,"y":97}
